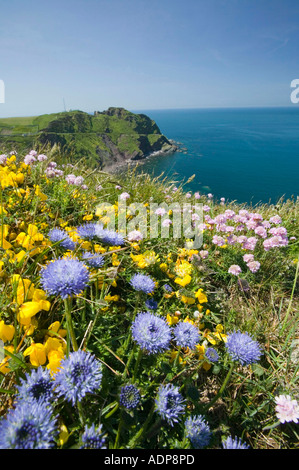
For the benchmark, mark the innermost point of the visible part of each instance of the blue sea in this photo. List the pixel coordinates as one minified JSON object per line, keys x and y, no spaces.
{"x":249,"y":155}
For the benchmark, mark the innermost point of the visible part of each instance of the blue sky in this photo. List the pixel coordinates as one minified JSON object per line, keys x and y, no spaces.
{"x":146,"y":54}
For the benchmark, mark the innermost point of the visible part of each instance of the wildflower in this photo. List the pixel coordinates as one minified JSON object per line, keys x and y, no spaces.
{"x":151,"y":332}
{"x":234,"y":269}
{"x":198,"y":431}
{"x":79,"y":374}
{"x":167,"y":287}
{"x":142,"y":282}
{"x":275,"y":219}
{"x":129,"y":397}
{"x":201,"y":296}
{"x":70,"y":179}
{"x":36,"y":353}
{"x":204,"y":254}
{"x":6,"y":331}
{"x":186,"y":335}
{"x":286,"y":409}
{"x":29,"y":159}
{"x":169,"y":403}
{"x":92,"y":438}
{"x":235,"y":443}
{"x":241,"y":347}
{"x":212,"y":355}
{"x":93,"y":260}
{"x":134,"y":235}
{"x":124,"y":196}
{"x":151,"y":304}
{"x":110,"y":237}
{"x":88,"y":231}
{"x":78,"y":180}
{"x":57,"y":235}
{"x":38,"y":386}
{"x":254,"y":266}
{"x":160,"y":211}
{"x":248,"y":258}
{"x":42,"y":157}
{"x":30,"y":425}
{"x":3,"y":159}
{"x":64,"y":277}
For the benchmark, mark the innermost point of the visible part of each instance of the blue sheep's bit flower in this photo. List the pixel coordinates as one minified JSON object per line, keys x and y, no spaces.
{"x":129,"y":397}
{"x":38,"y":385}
{"x":235,"y":443}
{"x":169,"y":403}
{"x":64,"y":277}
{"x":152,"y":333}
{"x":143,"y":283}
{"x":198,"y":431}
{"x":186,"y":335}
{"x":93,"y":438}
{"x":93,"y":260}
{"x":57,"y":235}
{"x":30,"y":425}
{"x":242,"y":348}
{"x":78,"y":375}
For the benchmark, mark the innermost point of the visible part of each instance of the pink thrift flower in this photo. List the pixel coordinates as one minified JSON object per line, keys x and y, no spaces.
{"x":33,"y":153}
{"x":204,"y":254}
{"x":275,"y":219}
{"x":29,"y":159}
{"x":188,"y":195}
{"x":261,"y":231}
{"x":160,"y":211}
{"x":3,"y":159}
{"x":234,"y":269}
{"x":217,"y":240}
{"x":254,"y":266}
{"x":248,"y":258}
{"x":70,"y":179}
{"x":210,"y":195}
{"x":206,"y":208}
{"x":166,"y":223}
{"x":286,"y":409}
{"x":42,"y":157}
{"x":135,"y":236}
{"x":124,"y":196}
{"x":197,"y":195}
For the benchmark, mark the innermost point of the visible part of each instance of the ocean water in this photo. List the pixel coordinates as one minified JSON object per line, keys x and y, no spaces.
{"x":249,"y":155}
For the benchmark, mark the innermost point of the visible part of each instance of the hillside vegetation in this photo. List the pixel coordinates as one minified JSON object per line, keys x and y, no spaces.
{"x":103,"y":139}
{"x":118,"y":339}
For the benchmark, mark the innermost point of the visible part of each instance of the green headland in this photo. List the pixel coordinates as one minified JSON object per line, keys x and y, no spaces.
{"x":103,"y":139}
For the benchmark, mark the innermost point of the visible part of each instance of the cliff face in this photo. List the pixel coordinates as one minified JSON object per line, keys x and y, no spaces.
{"x":106,"y":138}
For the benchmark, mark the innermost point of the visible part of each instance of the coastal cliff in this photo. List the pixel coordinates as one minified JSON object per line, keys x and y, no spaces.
{"x":104,"y":139}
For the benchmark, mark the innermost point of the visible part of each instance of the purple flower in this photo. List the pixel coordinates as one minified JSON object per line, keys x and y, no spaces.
{"x":170,"y":403}
{"x":78,"y":375}
{"x":29,"y":159}
{"x":241,"y":347}
{"x":30,"y":425}
{"x":142,"y":282}
{"x":235,"y":443}
{"x":93,"y":259}
{"x":92,"y":438}
{"x":129,"y":397}
{"x":38,"y":386}
{"x":64,"y":277}
{"x":198,"y":431}
{"x":186,"y":335}
{"x":212,"y":355}
{"x":88,"y":231}
{"x":57,"y":235}
{"x":152,"y":333}
{"x":286,"y":409}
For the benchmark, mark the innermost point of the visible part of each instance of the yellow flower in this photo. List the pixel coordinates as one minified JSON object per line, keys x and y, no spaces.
{"x":6,"y":331}
{"x":54,"y":329}
{"x":4,"y":365}
{"x":31,"y":308}
{"x":39,"y":193}
{"x":187,"y":300}
{"x":54,"y":357}
{"x":37,"y":354}
{"x":24,"y":288}
{"x":3,"y":234}
{"x":172,"y":319}
{"x":183,"y":282}
{"x":201,"y":297}
{"x":183,"y":268}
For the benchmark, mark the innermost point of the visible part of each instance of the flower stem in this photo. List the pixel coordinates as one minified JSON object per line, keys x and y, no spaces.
{"x":219,"y":394}
{"x":69,"y":323}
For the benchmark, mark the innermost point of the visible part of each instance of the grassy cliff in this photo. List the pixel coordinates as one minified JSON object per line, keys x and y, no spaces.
{"x":102,"y":139}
